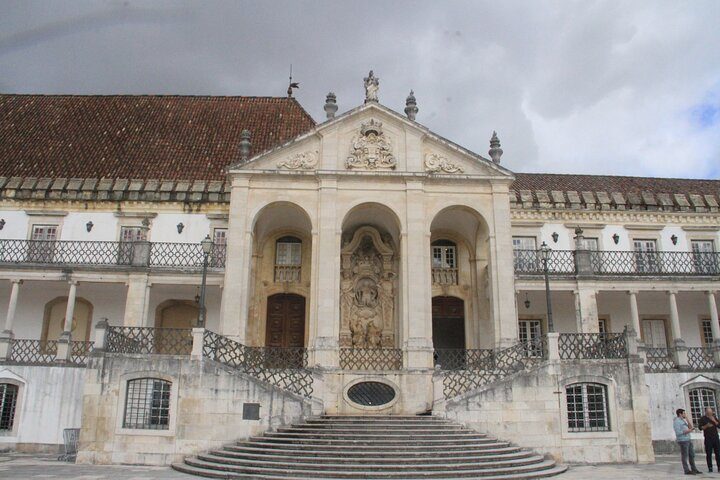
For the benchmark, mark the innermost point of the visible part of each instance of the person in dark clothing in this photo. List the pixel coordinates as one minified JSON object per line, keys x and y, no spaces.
{"x":709,"y":426}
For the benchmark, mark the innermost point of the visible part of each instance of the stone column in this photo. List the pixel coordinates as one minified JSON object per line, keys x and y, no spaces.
{"x":63,"y":345}
{"x":586,"y":311}
{"x":418,"y":282}
{"x":634,"y":313}
{"x":326,"y":277}
{"x":714,"y":325}
{"x":234,"y":307}
{"x":12,"y":306}
{"x":136,"y":302}
{"x":679,"y":348}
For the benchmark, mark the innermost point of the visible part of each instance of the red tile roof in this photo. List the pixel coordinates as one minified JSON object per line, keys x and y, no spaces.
{"x":129,"y":136}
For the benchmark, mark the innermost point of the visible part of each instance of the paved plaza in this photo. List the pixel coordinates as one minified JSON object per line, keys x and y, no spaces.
{"x":16,"y":467}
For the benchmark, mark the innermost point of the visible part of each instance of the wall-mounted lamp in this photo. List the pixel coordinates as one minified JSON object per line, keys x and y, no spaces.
{"x":2,"y":223}
{"x":674,"y":239}
{"x":616,"y":238}
{"x":527,"y":301}
{"x":180,"y":227}
{"x":89,"y":226}
{"x":555,"y":237}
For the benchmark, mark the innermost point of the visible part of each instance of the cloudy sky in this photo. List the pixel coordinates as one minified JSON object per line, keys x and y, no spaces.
{"x":607,"y":87}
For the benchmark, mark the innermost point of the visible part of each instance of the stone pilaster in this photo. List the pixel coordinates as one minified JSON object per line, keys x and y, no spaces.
{"x":586,"y":310}
{"x":136,"y":301}
{"x":502,"y":271}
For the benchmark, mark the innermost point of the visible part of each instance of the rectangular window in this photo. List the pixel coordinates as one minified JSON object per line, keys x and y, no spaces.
{"x":42,"y":246}
{"x":288,"y":253}
{"x":529,"y":334}
{"x":700,"y":399}
{"x":706,"y":333}
{"x":592,"y":244}
{"x":587,"y":407}
{"x":147,"y":404}
{"x":646,"y":258}
{"x":133,"y":234}
{"x":8,"y":402}
{"x":653,"y":333}
{"x":526,"y":257}
{"x":602,"y":326}
{"x":443,"y":256}
{"x":220,"y":236}
{"x":705,"y":260}
{"x":524,"y":243}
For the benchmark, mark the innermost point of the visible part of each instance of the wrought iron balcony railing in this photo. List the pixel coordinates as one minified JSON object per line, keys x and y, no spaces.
{"x":45,"y":352}
{"x":149,"y":341}
{"x":91,"y":253}
{"x":619,"y":263}
{"x":577,"y":346}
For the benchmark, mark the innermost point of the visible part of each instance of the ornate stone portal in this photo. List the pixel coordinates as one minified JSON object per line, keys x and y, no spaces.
{"x":367,"y":291}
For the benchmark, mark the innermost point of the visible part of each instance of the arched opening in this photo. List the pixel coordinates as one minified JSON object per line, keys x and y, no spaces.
{"x":448,"y":330}
{"x":177,"y":314}
{"x":54,"y":319}
{"x":285,"y":326}
{"x":369,"y":267}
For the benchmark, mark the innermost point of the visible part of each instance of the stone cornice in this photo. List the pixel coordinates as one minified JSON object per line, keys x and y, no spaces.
{"x":623,"y":217}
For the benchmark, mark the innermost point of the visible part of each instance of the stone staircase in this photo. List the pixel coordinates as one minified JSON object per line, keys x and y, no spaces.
{"x":371,"y":447}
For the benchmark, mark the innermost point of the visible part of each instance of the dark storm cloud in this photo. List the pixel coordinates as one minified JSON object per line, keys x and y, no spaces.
{"x":601,"y":87}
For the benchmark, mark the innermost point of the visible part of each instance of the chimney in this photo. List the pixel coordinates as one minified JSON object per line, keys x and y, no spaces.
{"x":330,"y":105}
{"x":495,"y":151}
{"x":245,"y":145}
{"x":411,"y":108}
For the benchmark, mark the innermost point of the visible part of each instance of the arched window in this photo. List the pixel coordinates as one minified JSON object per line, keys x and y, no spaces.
{"x":288,"y":251}
{"x":8,"y":402}
{"x":587,"y":407}
{"x":147,"y":404}
{"x":700,"y":399}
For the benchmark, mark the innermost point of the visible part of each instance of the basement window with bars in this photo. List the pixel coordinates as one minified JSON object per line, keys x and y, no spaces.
{"x":587,"y":407}
{"x":700,"y":399}
{"x":147,"y":404}
{"x":8,"y":402}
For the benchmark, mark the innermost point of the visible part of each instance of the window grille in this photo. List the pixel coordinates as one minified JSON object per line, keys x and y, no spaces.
{"x":147,"y":404}
{"x":8,"y":401}
{"x":700,"y":399}
{"x":587,"y":407}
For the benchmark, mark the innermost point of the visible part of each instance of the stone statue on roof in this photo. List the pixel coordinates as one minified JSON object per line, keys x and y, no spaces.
{"x":372,"y":85}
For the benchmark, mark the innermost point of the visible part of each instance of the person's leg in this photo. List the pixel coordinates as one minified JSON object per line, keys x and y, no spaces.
{"x":716,"y":449}
{"x":691,"y":456}
{"x":684,"y":456}
{"x":709,"y":453}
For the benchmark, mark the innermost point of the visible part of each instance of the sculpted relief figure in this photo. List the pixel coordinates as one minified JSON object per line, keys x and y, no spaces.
{"x":372,"y":85}
{"x":374,"y":335}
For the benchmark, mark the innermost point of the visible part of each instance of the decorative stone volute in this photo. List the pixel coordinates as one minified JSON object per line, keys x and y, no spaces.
{"x":437,"y":163}
{"x":245,"y":145}
{"x":411,"y":108}
{"x":303,"y":160}
{"x":330,"y":105}
{"x":495,"y":151}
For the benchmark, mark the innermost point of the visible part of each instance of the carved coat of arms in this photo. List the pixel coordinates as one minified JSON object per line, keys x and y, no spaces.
{"x":371,"y":149}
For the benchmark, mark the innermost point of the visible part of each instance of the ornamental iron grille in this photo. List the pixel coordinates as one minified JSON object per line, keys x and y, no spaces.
{"x":33,"y":352}
{"x":62,"y":252}
{"x":8,"y":402}
{"x":658,"y":360}
{"x":147,"y":404}
{"x":371,"y":394}
{"x":700,"y":399}
{"x":283,"y":367}
{"x":144,"y":340}
{"x":592,"y":345}
{"x":529,"y":262}
{"x":461,"y":359}
{"x":587,"y":407}
{"x":655,"y":263}
{"x":79,"y":351}
{"x":701,"y":358}
{"x":499,"y":365}
{"x":371,"y":358}
{"x":184,"y":255}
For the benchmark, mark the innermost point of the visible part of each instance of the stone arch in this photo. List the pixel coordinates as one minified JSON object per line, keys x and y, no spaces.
{"x":54,"y":319}
{"x":176,"y":314}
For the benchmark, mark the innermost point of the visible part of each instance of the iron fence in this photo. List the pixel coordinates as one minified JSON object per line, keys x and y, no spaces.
{"x":144,"y":340}
{"x":282,"y":367}
{"x":371,"y":358}
{"x":461,"y":359}
{"x":33,"y":352}
{"x":655,"y":263}
{"x":701,"y":358}
{"x":185,"y":255}
{"x":61,"y":252}
{"x":501,"y":364}
{"x":592,"y":345}
{"x":79,"y":351}
{"x":529,"y":262}
{"x":659,"y":360}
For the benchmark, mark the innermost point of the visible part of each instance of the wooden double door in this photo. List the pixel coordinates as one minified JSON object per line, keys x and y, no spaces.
{"x":448,"y":330}
{"x":285,"y":321}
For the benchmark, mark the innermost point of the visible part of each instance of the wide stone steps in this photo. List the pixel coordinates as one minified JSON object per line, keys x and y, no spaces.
{"x":374,"y":447}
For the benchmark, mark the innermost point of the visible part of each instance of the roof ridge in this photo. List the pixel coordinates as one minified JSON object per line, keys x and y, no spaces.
{"x":618,"y":176}
{"x":148,"y":95}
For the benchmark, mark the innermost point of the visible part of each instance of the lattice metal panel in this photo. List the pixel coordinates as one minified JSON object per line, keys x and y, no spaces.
{"x":371,"y":394}
{"x":79,"y":351}
{"x":462,"y":359}
{"x":166,"y":341}
{"x":503,"y":363}
{"x":185,"y":255}
{"x":371,"y":358}
{"x":65,"y":252}
{"x":700,"y":358}
{"x":655,"y":263}
{"x":279,"y":367}
{"x":529,"y":262}
{"x":658,"y":360}
{"x":592,"y":345}
{"x":33,"y":352}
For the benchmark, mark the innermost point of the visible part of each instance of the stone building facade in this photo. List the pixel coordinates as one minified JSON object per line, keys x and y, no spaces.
{"x":360,"y":265}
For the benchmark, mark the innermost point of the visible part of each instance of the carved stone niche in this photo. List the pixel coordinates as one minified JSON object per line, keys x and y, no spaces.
{"x":367,"y":291}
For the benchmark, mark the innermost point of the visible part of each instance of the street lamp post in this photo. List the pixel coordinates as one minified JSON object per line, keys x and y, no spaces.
{"x":207,"y":245}
{"x":545,"y":253}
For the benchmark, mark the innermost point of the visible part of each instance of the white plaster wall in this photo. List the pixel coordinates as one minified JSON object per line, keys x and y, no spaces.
{"x":50,"y":400}
{"x":16,"y":224}
{"x":563,"y":305}
{"x":163,"y":228}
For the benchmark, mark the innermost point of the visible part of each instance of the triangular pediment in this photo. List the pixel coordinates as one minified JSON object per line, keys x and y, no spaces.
{"x":373,"y":138}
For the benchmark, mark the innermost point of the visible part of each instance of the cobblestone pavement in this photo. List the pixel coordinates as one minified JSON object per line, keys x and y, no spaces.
{"x":17,"y":467}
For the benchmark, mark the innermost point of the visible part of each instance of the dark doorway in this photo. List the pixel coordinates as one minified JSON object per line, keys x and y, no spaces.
{"x":285,"y":321}
{"x":448,"y":330}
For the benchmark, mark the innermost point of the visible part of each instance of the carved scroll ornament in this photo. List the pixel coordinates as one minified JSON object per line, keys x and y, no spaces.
{"x":305,"y":160}
{"x":437,"y":163}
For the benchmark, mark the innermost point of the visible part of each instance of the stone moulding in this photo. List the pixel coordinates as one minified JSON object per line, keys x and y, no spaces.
{"x":304,"y":160}
{"x":437,"y":163}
